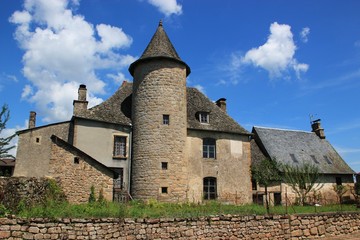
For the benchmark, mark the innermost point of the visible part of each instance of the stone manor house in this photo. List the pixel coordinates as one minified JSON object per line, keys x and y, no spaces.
{"x":154,"y":138}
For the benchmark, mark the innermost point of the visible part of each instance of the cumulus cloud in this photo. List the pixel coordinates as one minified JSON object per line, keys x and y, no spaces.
{"x":276,"y":55}
{"x":304,"y":34}
{"x":11,"y":131}
{"x":167,"y":7}
{"x":200,"y":88}
{"x":63,"y":50}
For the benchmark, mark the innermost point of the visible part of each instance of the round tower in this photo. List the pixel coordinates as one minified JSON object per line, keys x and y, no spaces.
{"x":159,"y":118}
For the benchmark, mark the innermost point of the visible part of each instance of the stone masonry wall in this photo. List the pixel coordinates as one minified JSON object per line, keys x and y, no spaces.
{"x":76,"y":178}
{"x":159,"y":89}
{"x":216,"y":227}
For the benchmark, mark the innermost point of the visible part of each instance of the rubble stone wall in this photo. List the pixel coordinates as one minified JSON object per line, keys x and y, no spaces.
{"x":215,"y":227}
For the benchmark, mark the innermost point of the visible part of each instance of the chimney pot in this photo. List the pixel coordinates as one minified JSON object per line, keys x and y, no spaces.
{"x":221,"y":103}
{"x":316,"y":128}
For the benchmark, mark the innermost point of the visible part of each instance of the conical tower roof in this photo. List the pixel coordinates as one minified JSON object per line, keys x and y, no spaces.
{"x":160,"y":46}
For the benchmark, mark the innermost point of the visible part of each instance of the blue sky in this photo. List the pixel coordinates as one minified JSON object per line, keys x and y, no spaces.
{"x":276,"y":62}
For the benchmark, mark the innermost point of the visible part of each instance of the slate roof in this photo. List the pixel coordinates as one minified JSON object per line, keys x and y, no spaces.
{"x":117,"y":109}
{"x":295,"y":147}
{"x":160,"y":46}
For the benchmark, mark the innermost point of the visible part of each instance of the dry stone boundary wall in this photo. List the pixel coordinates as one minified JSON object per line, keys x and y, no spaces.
{"x":215,"y":227}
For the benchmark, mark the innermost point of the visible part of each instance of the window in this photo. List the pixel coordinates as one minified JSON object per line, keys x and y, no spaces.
{"x":166,"y":119}
{"x":203,"y":117}
{"x":118,"y":178}
{"x":164,"y":190}
{"x":164,"y":165}
{"x":314,"y":159}
{"x":253,"y":184}
{"x":209,"y":148}
{"x":119,"y":146}
{"x":76,"y":160}
{"x":327,"y":160}
{"x":210,"y":188}
{"x":293,"y":158}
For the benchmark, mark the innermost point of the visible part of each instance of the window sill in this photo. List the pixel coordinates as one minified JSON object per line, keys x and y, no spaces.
{"x":119,"y":157}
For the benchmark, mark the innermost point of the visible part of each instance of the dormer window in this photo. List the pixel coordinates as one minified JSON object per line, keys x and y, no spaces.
{"x":203,"y":117}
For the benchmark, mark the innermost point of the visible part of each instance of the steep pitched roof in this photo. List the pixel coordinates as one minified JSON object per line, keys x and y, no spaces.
{"x":218,"y":119}
{"x":117,"y":109}
{"x":160,"y":46}
{"x":295,"y":147}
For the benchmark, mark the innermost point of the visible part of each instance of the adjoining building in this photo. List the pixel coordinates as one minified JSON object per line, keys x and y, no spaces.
{"x":296,"y":147}
{"x":153,"y":138}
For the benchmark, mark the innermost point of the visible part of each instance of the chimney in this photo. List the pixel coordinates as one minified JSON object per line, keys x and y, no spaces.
{"x":316,"y":128}
{"x":221,"y":103}
{"x":32,"y":119}
{"x":80,"y":105}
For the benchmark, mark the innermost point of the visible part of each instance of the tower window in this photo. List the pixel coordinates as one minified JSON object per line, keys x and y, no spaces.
{"x":119,"y":146}
{"x":209,"y":148}
{"x":166,"y":119}
{"x":164,"y":190}
{"x":164,"y":165}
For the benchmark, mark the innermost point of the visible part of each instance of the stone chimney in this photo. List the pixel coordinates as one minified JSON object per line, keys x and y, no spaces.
{"x":221,"y":103}
{"x":316,"y":128}
{"x":80,"y":105}
{"x":32,"y":119}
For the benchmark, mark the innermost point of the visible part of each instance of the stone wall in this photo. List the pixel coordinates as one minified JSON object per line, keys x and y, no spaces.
{"x":216,"y":227}
{"x":159,"y":89}
{"x":78,"y":172}
{"x":33,"y":152}
{"x":29,"y":191}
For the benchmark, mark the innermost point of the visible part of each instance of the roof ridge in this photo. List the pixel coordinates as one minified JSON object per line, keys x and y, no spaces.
{"x":283,"y":129}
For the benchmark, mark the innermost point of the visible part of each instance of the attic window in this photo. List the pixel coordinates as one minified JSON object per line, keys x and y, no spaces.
{"x":203,"y":117}
{"x":327,"y":160}
{"x":293,"y":158}
{"x":314,"y":159}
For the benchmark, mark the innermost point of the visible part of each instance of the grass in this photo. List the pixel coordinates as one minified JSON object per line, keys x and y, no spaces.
{"x":154,"y":209}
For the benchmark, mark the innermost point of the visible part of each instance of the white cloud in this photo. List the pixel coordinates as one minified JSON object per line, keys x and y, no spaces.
{"x":118,"y":78}
{"x":63,"y":50}
{"x":167,"y":7}
{"x":200,"y":88}
{"x":276,"y":55}
{"x":304,"y":34}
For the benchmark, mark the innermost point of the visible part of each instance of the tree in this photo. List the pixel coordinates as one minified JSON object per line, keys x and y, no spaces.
{"x":340,"y":190}
{"x":5,"y":141}
{"x":302,"y":179}
{"x":265,"y":173}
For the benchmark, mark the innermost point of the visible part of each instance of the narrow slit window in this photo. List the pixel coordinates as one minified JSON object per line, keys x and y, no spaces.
{"x":166,"y":119}
{"x":76,"y":160}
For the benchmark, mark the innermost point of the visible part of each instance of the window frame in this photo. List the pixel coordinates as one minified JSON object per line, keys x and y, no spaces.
{"x":209,"y":148}
{"x":210,"y":188}
{"x":166,"y":119}
{"x":203,"y":117}
{"x":114,"y":150}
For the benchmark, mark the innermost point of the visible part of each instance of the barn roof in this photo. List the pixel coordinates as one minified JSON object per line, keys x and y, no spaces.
{"x":297,"y":147}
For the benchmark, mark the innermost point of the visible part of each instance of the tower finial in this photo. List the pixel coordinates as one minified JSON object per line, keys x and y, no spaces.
{"x":160,"y":23}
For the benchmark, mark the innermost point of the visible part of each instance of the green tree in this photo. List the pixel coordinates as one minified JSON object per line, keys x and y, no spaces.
{"x":5,"y":141}
{"x":265,"y":173}
{"x":302,"y":179}
{"x":340,"y":190}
